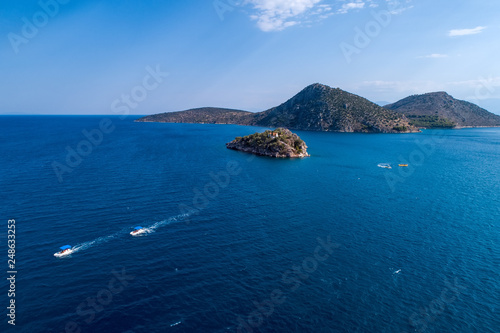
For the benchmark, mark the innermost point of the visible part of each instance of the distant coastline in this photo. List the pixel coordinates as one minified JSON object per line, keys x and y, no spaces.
{"x":322,"y":108}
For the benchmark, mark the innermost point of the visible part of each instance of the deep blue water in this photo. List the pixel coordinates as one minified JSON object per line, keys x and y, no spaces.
{"x":412,"y":249}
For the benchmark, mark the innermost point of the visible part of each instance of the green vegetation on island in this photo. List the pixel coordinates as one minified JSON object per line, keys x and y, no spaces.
{"x":430,"y":121}
{"x":278,"y":143}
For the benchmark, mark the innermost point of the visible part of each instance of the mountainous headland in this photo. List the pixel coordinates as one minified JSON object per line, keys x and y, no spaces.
{"x":322,"y":108}
{"x":316,"y":108}
{"x":440,"y":110}
{"x":280,"y":143}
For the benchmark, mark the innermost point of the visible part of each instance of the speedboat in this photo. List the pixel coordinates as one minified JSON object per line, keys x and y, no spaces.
{"x":65,"y":250}
{"x":384,"y":165}
{"x":137,"y":231}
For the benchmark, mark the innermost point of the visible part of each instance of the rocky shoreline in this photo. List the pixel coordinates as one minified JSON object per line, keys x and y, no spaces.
{"x":280,"y":143}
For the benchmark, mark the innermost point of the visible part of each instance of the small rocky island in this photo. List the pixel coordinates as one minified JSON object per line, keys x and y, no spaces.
{"x":280,"y":143}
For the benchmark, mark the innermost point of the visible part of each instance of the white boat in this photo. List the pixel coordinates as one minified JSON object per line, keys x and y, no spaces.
{"x":65,"y":251}
{"x":137,"y":231}
{"x":384,"y":165}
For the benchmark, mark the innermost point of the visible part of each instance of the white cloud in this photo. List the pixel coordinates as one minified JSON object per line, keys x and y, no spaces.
{"x":434,"y":56}
{"x":465,"y":32}
{"x":404,"y":87}
{"x":351,"y":5}
{"x":482,"y":87}
{"x":397,"y":7}
{"x":476,"y":89}
{"x":276,"y":15}
{"x":491,"y":81}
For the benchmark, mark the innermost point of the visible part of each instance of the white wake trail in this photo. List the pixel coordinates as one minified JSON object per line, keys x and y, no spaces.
{"x":168,"y":221}
{"x":97,"y":241}
{"x":104,"y":239}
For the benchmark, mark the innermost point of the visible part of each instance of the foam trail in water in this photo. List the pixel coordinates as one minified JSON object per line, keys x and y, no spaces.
{"x":170,"y":220}
{"x":105,"y":239}
{"x":97,"y":241}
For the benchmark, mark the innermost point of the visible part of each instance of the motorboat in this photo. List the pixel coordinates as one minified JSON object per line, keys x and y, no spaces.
{"x":65,"y":250}
{"x":384,"y":165}
{"x":137,"y":231}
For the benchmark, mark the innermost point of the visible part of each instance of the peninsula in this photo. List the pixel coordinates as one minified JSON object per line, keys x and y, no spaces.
{"x":440,"y":110}
{"x":315,"y":108}
{"x":321,"y":108}
{"x":280,"y":143}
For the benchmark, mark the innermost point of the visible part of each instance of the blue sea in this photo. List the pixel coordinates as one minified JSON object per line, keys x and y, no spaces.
{"x":237,"y":243}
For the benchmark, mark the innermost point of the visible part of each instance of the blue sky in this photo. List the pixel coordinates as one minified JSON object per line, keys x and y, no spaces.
{"x":83,"y":57}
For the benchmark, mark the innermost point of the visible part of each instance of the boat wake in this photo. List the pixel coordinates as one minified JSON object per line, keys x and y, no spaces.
{"x":104,"y":239}
{"x":65,"y":254}
{"x":168,"y":221}
{"x":98,"y":241}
